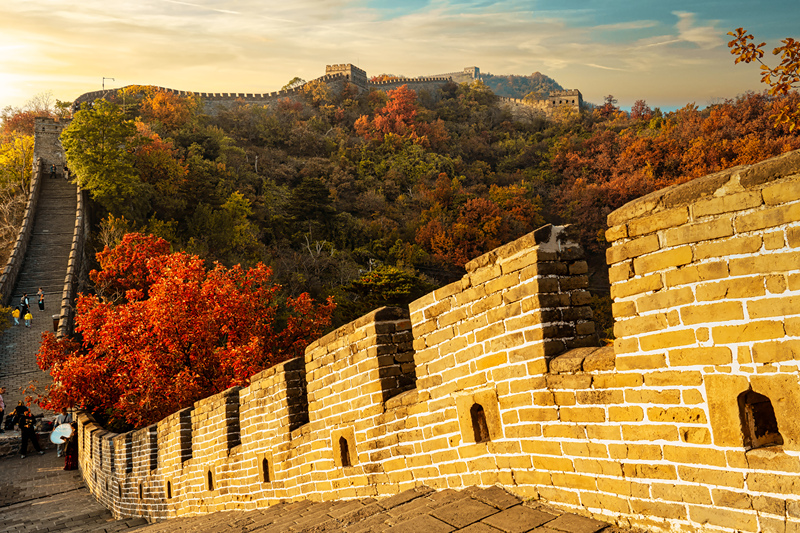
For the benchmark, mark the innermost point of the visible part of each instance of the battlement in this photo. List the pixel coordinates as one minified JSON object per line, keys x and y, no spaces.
{"x":687,"y":422}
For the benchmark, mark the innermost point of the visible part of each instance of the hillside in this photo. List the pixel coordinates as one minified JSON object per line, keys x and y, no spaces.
{"x":520,"y":86}
{"x":377,"y":198}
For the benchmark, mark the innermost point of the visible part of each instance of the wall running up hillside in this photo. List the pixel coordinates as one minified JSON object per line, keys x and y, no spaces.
{"x":687,"y":423}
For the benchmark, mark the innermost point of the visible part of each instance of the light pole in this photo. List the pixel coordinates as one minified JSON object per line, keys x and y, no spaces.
{"x":104,"y":85}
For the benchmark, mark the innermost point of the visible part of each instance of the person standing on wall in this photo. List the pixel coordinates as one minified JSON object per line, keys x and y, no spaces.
{"x":63,"y":418}
{"x":27,"y":426}
{"x":15,"y":315}
{"x":2,"y":408}
{"x":71,"y":452}
{"x":23,"y":304}
{"x":41,"y":299}
{"x":28,"y":318}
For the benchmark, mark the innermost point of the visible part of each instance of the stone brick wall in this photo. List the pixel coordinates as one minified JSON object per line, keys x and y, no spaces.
{"x":8,"y":279}
{"x":686,"y":423}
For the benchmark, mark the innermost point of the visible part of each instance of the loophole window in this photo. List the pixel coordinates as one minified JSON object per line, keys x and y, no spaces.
{"x":265,"y":469}
{"x":169,"y":489}
{"x":479,"y":427}
{"x":759,"y":426}
{"x":344,"y":450}
{"x":210,"y":480}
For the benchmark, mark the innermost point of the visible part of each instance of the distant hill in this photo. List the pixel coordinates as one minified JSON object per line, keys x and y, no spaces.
{"x":520,"y":86}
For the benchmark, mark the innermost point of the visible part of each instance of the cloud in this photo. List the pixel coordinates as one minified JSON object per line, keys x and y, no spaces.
{"x":705,"y":37}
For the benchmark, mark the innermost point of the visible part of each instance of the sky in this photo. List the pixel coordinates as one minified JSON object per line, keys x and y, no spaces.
{"x":668,"y":53}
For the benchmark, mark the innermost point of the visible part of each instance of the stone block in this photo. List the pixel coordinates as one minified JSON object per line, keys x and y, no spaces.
{"x":700,"y":231}
{"x":632,"y":248}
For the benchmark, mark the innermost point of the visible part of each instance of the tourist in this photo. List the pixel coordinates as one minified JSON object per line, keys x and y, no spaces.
{"x":71,"y":452}
{"x":15,"y":315}
{"x":15,"y":415}
{"x":28,"y":317}
{"x":27,"y":426}
{"x":41,"y":299}
{"x":63,"y":418}
{"x":2,"y":408}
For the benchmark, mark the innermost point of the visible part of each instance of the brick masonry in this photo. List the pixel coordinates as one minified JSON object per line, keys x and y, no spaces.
{"x":686,"y":423}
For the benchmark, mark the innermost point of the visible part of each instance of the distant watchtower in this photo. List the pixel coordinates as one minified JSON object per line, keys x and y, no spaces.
{"x":357,"y":76}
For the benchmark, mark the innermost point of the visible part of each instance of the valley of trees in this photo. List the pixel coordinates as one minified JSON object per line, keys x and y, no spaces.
{"x":379,"y":198}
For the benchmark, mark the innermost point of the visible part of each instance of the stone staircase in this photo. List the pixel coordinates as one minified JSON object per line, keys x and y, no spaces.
{"x":45,"y":266}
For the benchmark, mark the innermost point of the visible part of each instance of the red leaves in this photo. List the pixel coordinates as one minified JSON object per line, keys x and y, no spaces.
{"x":182,"y":333}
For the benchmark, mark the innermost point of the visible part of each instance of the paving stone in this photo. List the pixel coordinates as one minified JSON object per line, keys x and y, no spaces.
{"x":495,"y":496}
{"x":573,"y":523}
{"x":425,"y":523}
{"x":404,"y":497}
{"x":465,"y":512}
{"x":518,"y":519}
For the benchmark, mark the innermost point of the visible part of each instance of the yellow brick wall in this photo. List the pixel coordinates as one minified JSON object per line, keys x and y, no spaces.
{"x":646,"y":432}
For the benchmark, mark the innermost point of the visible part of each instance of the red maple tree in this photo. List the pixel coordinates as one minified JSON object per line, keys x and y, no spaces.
{"x":170,"y":332}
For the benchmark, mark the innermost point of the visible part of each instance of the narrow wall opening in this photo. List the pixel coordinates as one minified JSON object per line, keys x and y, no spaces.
{"x":480,"y":428}
{"x":759,"y":425}
{"x":209,"y":480}
{"x":265,"y":470}
{"x":344,"y":452}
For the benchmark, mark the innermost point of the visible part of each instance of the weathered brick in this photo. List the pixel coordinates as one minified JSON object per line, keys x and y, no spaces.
{"x":781,"y":191}
{"x":681,"y":493}
{"x":717,"y":312}
{"x":683,"y":415}
{"x":649,"y":471}
{"x":639,"y":362}
{"x":663,"y":260}
{"x":633,"y":286}
{"x":640,"y":324}
{"x":793,"y":236}
{"x":617,"y":380}
{"x":662,"y":220}
{"x":667,"y":339}
{"x":774,"y":352}
{"x":768,"y":218}
{"x":751,"y":287}
{"x":712,"y":355}
{"x":620,"y":271}
{"x":707,"y":476}
{"x":673,"y":378}
{"x":701,"y":231}
{"x":662,"y":300}
{"x":769,"y":307}
{"x":752,"y":331}
{"x":776,"y":284}
{"x":632,"y":248}
{"x":653,"y":396}
{"x":774,"y":240}
{"x":649,"y":432}
{"x":732,"y":520}
{"x":625,"y":414}
{"x":726,"y":204}
{"x":616,"y":233}
{"x":764,"y":264}
{"x":727,"y":247}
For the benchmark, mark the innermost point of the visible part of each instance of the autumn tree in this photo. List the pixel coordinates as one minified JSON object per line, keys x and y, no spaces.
{"x":781,"y":78}
{"x":180,"y":333}
{"x":96,"y":144}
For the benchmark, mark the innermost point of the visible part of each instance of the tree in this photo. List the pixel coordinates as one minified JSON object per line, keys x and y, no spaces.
{"x":641,"y":111}
{"x":97,"y":147}
{"x":781,"y":79}
{"x":181,"y":333}
{"x":295,"y":82}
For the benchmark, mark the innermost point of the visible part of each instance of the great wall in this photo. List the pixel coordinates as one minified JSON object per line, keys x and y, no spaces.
{"x":338,"y":76}
{"x":687,"y":423}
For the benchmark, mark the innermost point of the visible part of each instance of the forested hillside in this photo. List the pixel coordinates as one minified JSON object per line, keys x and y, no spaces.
{"x":376,"y":199}
{"x":537,"y":84}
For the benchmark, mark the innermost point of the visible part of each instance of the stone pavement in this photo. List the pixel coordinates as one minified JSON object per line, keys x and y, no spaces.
{"x":37,"y":494}
{"x":45,"y":266}
{"x":421,"y":510}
